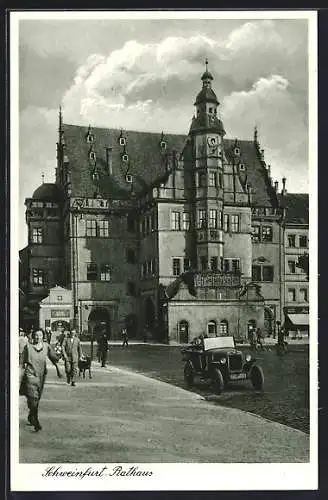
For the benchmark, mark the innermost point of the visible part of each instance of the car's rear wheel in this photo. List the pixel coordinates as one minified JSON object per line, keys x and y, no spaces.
{"x":189,"y":375}
{"x":257,"y":377}
{"x":218,"y":382}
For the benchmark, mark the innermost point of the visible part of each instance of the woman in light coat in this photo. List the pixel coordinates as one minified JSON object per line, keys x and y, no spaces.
{"x":33,"y":364}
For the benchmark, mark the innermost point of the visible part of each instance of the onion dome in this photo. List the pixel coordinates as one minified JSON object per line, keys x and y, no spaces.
{"x":48,"y":192}
{"x":207,"y":94}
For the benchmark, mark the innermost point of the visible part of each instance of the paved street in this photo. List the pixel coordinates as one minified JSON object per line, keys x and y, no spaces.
{"x":121,"y":416}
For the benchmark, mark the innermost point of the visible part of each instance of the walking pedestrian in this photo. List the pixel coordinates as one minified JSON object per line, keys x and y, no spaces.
{"x":103,"y":348}
{"x":259,"y":338}
{"x":23,"y":340}
{"x":34,"y":369}
{"x":125,"y":338}
{"x":48,"y":334}
{"x":253,"y":338}
{"x":72,"y":352}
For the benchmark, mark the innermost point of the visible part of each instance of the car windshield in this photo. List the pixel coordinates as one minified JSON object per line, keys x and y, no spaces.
{"x":219,"y":343}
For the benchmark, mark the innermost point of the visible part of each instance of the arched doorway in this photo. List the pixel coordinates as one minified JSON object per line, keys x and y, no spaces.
{"x":183,"y":332}
{"x":98,"y":322}
{"x":251,"y":325}
{"x":59,"y":326}
{"x":268,"y":320}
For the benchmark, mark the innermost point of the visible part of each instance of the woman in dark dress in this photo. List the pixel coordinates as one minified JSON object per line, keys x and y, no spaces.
{"x":34,"y":370}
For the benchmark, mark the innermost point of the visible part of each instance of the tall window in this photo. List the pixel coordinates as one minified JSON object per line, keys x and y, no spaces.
{"x":226,"y":265}
{"x":220,"y":219}
{"x":202,"y":218}
{"x":175,"y":221}
{"x":267,"y":273}
{"x":256,"y":234}
{"x":38,"y":277}
{"x":203,"y":263}
{"x":176,"y":266}
{"x":304,"y":294}
{"x":105,"y":272}
{"x":37,"y":235}
{"x":303,"y":242}
{"x":202,"y":179}
{"x":103,"y":228}
{"x":291,"y":267}
{"x":186,"y":221}
{"x":224,"y":328}
{"x":92,"y":271}
{"x":291,"y":294}
{"x":130,"y":256}
{"x":214,"y":263}
{"x":220,"y":180}
{"x":226,"y":222}
{"x":212,"y":179}
{"x":234,"y":223}
{"x":91,"y":228}
{"x":186,"y":264}
{"x":291,"y":240}
{"x":266,"y":233}
{"x":235,"y":265}
{"x":211,"y":329}
{"x":256,"y":273}
{"x":213,"y":220}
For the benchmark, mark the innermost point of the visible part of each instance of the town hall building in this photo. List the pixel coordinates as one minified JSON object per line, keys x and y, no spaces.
{"x":170,"y":236}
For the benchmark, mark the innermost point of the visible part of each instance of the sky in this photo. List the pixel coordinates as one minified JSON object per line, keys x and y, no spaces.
{"x":145,"y":75}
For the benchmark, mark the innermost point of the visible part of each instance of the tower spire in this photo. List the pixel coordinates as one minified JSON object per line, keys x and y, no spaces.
{"x":42,"y":176}
{"x":206,"y":64}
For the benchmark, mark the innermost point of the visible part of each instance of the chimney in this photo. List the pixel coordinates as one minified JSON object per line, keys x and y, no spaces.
{"x":109,"y":160}
{"x":276,"y":186}
{"x":284,"y":190}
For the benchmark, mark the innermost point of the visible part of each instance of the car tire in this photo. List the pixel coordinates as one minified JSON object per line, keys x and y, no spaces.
{"x":218,"y":382}
{"x":189,"y":375}
{"x":257,"y":377}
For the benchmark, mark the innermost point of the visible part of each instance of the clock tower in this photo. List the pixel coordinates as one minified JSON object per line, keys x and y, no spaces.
{"x":206,"y":138}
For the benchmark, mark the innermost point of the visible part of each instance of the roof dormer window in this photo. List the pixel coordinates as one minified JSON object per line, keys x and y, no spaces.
{"x":92,"y":156}
{"x":90,"y":138}
{"x":242,"y":167}
{"x":128,"y":178}
{"x":163,"y":145}
{"x":125,"y":158}
{"x":236,"y":151}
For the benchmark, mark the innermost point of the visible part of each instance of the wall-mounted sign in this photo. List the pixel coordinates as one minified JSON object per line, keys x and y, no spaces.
{"x":213,"y":280}
{"x":60,"y":313}
{"x":100,"y":204}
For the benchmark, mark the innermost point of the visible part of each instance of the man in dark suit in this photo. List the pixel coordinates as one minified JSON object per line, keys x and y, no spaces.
{"x":71,"y":352}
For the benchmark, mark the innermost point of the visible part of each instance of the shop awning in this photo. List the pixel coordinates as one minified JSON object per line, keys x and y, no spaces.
{"x":299,"y":319}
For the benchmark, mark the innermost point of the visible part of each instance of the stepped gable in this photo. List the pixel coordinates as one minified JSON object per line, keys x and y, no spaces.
{"x":297,"y":207}
{"x":146,"y":163}
{"x":257,"y":176}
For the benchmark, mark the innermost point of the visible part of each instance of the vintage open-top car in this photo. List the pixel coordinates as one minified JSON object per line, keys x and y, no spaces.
{"x":218,"y":360}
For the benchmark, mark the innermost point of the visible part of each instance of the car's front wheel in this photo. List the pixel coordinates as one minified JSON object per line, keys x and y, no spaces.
{"x":218,"y":381}
{"x":257,"y":377}
{"x":189,"y":375}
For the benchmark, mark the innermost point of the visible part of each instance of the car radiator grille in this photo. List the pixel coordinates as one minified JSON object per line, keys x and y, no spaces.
{"x":235,"y":362}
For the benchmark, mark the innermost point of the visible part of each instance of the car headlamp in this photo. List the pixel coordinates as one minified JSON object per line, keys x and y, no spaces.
{"x":248,"y":357}
{"x":223,"y":361}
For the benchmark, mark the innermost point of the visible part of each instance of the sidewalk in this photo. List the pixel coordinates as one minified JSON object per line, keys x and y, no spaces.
{"x":121,"y":416}
{"x":269,"y":341}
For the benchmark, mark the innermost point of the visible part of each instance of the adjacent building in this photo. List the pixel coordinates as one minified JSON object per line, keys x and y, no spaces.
{"x":167,"y":235}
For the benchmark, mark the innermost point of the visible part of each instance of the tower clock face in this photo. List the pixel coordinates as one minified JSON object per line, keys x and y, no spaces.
{"x":212,"y":141}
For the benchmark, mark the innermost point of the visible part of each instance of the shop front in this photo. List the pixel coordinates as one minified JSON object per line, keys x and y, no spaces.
{"x":56,"y":310}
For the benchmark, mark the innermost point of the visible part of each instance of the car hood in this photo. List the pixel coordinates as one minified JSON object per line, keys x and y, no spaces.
{"x":224,"y":351}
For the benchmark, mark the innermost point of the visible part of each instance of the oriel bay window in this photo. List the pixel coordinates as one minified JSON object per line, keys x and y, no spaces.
{"x":212,"y":179}
{"x":92,"y":271}
{"x":105,"y":272}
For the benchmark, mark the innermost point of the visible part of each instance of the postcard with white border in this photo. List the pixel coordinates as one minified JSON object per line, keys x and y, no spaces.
{"x":163,"y":309}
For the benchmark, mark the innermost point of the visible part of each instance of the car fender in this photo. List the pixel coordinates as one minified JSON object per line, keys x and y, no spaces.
{"x":248,"y":365}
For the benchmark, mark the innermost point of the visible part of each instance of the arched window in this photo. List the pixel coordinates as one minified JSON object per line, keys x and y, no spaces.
{"x":224,"y":328}
{"x":211,"y":329}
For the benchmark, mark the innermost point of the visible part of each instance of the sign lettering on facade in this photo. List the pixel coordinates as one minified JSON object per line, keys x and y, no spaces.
{"x":100,"y":204}
{"x":60,"y":313}
{"x":216,"y":280}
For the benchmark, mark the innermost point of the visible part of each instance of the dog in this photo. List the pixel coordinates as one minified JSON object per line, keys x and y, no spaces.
{"x":84,"y":364}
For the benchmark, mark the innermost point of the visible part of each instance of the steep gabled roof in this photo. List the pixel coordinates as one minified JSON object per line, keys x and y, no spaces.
{"x":297,"y":207}
{"x":146,"y":161}
{"x":147,"y":164}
